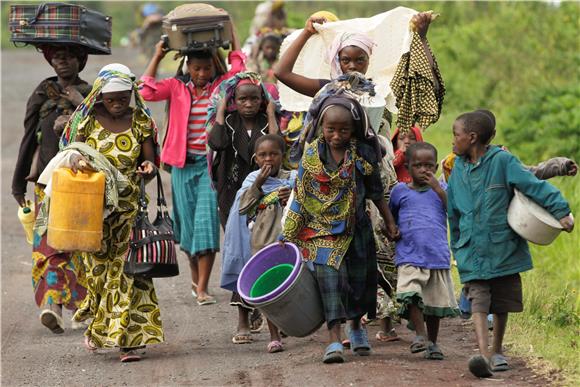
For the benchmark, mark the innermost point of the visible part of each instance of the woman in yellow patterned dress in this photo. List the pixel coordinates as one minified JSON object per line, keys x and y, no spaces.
{"x":123,"y":308}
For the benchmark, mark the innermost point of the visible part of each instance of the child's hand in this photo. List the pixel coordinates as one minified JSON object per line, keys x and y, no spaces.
{"x":263,"y":175}
{"x":309,"y":27}
{"x":432,"y":181}
{"x":571,"y":168}
{"x":79,"y":163}
{"x":393,"y":232}
{"x":60,"y":123}
{"x":421,"y":22}
{"x":222,"y":106}
{"x":284,"y":195}
{"x":160,"y":50}
{"x":73,"y":95}
{"x":567,"y":223}
{"x":271,"y":108}
{"x":147,"y":169}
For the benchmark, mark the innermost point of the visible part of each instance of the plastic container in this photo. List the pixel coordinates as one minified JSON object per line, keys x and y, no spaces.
{"x":75,"y":219}
{"x":27,"y":217}
{"x":295,"y":305}
{"x":531,"y":221}
{"x":271,"y":279}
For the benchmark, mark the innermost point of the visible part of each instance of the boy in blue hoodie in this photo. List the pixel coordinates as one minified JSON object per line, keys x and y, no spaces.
{"x":489,"y":254}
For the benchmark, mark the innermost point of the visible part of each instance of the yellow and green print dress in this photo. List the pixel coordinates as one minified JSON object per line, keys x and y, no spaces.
{"x":124,"y":308}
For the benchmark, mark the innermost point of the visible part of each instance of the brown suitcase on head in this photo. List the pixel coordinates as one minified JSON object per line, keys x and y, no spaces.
{"x":197,"y":26}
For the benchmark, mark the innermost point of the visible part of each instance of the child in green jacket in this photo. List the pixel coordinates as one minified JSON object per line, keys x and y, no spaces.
{"x":489,"y":254}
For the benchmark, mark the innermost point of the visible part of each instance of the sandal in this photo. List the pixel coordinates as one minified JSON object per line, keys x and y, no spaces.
{"x":257,"y":321}
{"x":52,"y":321}
{"x":498,"y":363}
{"x":334,"y":353}
{"x":129,"y":356}
{"x":433,"y":352}
{"x":242,"y":338}
{"x":359,"y":341}
{"x":479,"y":366}
{"x":207,"y":300}
{"x":90,"y":345}
{"x":275,"y":346}
{"x":194,"y":289}
{"x":387,"y":337}
{"x":418,"y":345}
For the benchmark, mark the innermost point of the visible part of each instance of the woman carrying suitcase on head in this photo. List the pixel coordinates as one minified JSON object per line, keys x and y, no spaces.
{"x":195,"y":214}
{"x":57,"y":277}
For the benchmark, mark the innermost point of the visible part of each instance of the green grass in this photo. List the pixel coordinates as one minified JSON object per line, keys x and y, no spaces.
{"x":549,"y":327}
{"x":548,"y":331}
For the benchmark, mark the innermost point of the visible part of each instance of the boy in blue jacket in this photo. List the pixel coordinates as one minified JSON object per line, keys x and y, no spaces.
{"x":489,"y":254}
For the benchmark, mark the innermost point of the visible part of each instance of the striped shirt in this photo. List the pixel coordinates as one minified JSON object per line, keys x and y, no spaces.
{"x":196,"y":134}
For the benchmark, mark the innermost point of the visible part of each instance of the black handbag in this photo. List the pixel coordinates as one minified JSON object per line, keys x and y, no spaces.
{"x":152,"y":252}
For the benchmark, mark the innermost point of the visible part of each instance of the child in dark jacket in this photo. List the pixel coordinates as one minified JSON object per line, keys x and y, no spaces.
{"x":245,"y":113}
{"x":489,"y":254}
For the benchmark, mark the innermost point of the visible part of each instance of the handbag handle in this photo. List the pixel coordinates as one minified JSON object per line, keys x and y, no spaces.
{"x":160,"y":193}
{"x":142,"y":197}
{"x":161,"y":202}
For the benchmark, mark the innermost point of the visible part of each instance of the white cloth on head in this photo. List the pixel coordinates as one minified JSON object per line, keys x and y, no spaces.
{"x":391,"y":34}
{"x":116,"y":83}
{"x":343,"y":40}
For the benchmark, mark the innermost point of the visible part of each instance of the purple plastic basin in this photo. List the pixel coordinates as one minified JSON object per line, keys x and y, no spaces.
{"x":263,"y":260}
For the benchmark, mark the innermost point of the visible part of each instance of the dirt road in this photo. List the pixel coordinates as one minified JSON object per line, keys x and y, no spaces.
{"x":198,"y":348}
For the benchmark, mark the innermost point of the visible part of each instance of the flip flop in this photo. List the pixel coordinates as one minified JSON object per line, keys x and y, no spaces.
{"x":479,"y":366}
{"x":359,"y":341}
{"x":275,"y":346}
{"x":242,"y":338}
{"x":334,"y":353}
{"x":498,"y":363}
{"x":52,"y":321}
{"x":433,"y":352}
{"x":129,"y":356}
{"x":419,"y":344}
{"x":194,"y":289}
{"x":208,"y":300}
{"x":257,"y":321}
{"x":387,"y":337}
{"x":90,"y":345}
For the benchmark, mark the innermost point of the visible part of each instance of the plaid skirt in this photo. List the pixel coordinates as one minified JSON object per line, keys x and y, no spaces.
{"x":195,"y":215}
{"x":351,"y":291}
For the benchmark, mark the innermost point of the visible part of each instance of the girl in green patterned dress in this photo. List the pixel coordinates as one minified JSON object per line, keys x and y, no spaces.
{"x":123,"y":308}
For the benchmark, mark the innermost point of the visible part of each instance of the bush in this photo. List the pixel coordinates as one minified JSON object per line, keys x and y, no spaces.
{"x":546,"y":126}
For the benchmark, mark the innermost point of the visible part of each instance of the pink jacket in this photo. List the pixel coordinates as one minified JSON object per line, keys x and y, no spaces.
{"x":174,"y":90}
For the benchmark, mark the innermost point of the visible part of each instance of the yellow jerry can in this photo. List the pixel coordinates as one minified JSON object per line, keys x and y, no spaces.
{"x":75,"y":218}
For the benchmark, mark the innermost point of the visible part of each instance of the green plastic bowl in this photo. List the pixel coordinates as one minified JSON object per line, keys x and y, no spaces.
{"x":271,"y":279}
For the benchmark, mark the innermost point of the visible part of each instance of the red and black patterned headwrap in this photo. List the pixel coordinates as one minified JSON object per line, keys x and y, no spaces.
{"x":48,"y":50}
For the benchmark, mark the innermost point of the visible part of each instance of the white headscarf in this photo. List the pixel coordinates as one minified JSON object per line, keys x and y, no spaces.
{"x":117,"y":83}
{"x":344,"y":40}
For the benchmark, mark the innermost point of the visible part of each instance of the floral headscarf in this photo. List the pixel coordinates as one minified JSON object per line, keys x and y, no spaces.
{"x":82,"y":112}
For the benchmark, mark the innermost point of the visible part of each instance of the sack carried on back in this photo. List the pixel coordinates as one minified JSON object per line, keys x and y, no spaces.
{"x":60,"y":23}
{"x":197,"y":26}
